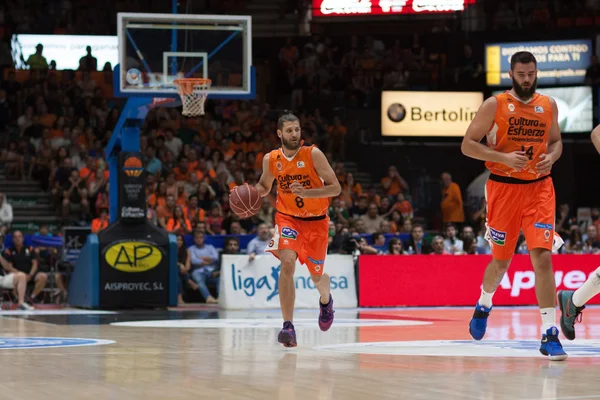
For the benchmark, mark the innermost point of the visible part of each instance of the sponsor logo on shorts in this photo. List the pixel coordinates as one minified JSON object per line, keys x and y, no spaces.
{"x":498,"y":238}
{"x":539,"y":225}
{"x":317,"y":262}
{"x":288,"y":233}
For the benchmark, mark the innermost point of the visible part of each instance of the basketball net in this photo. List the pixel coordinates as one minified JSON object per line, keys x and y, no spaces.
{"x":193,"y":93}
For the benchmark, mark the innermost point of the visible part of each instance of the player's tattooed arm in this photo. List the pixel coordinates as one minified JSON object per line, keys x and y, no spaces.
{"x":480,"y":126}
{"x":266,"y":179}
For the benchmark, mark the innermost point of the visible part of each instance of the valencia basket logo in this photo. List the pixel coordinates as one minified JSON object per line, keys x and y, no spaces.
{"x":133,"y":167}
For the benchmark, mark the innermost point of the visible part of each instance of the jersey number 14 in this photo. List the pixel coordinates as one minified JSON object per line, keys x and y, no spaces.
{"x":529,"y":151}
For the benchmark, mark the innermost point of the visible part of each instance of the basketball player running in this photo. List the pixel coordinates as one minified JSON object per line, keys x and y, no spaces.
{"x":523,"y":141}
{"x":571,"y":302}
{"x":305,"y":182}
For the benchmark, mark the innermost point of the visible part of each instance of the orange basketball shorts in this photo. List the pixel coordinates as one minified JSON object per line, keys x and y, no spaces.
{"x":512,"y":207}
{"x":309,"y":239}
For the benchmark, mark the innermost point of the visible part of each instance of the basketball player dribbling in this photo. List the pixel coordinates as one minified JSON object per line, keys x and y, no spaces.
{"x":571,"y":302}
{"x":305,"y":182}
{"x":523,"y":142}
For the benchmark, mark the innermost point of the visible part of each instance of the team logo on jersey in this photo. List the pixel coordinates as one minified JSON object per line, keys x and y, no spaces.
{"x":300,"y":164}
{"x":279,"y":166}
{"x":288,"y":233}
{"x":498,"y":238}
{"x":511,"y":107}
{"x":539,"y":109}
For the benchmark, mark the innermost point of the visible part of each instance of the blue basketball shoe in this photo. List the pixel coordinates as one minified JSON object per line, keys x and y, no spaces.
{"x":478,"y":323}
{"x":551,"y":346}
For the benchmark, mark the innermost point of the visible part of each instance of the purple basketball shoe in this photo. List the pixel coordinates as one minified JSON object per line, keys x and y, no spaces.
{"x":287,"y":336}
{"x":326,"y":315}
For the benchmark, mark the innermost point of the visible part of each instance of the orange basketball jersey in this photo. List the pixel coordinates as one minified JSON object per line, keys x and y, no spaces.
{"x":520,"y":126}
{"x":301,"y":169}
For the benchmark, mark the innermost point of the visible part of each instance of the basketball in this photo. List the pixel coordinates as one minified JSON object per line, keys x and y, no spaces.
{"x":244,"y":200}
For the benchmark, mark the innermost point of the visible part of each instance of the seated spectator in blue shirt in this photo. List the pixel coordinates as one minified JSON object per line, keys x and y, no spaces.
{"x":378,"y":240}
{"x":154,"y":164}
{"x":258,"y":245}
{"x":204,"y":259}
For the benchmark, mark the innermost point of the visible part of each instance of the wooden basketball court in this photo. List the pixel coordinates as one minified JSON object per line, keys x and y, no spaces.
{"x":207,"y":353}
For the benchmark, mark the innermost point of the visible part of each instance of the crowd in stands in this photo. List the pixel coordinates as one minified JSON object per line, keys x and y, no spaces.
{"x":58,"y":131}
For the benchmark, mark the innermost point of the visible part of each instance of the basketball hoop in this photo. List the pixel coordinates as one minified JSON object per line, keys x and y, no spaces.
{"x":193,"y":93}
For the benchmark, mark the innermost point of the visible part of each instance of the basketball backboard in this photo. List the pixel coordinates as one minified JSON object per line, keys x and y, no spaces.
{"x":156,"y":49}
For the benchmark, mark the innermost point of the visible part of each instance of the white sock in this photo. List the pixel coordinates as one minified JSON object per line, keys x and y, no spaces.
{"x":589,"y":289}
{"x":486,"y":298}
{"x":548,"y":318}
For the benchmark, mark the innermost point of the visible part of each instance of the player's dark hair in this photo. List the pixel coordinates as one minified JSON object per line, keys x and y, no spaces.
{"x":523,"y":57}
{"x":287,"y":116}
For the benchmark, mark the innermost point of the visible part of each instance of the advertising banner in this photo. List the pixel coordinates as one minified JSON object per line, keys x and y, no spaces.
{"x":132,"y":187}
{"x":353,"y":8}
{"x":133,"y":271}
{"x":560,"y":62}
{"x":430,"y":280}
{"x":255,"y":284}
{"x":405,"y":113}
{"x":575,"y":107}
{"x":66,"y":50}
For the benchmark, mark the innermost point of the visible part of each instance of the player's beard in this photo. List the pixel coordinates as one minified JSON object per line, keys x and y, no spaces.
{"x":288,"y":144}
{"x":524,"y":93}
